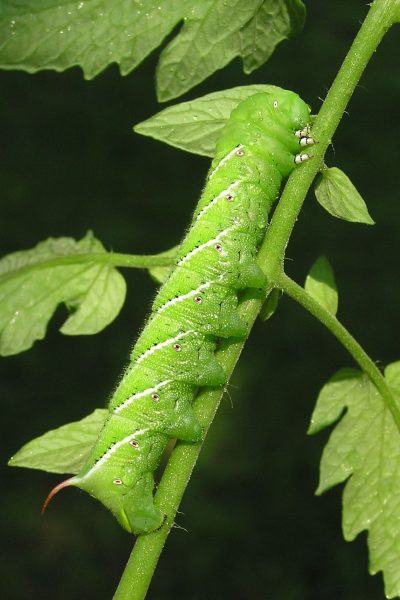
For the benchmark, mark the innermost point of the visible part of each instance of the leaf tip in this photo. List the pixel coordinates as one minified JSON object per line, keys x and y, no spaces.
{"x":12,"y":462}
{"x":312,"y":429}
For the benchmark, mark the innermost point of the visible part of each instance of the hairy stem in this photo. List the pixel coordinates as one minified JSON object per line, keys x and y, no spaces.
{"x":142,"y":562}
{"x":381,"y":15}
{"x":295,"y":291}
{"x":111,"y":259}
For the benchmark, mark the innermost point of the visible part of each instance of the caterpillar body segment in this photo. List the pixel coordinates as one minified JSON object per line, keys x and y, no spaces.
{"x":175,"y":353}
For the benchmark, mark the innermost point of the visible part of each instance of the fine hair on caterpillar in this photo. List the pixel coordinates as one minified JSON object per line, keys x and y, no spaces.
{"x":174,"y":355}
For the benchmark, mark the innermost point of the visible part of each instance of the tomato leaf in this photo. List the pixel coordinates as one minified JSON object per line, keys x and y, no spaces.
{"x":59,"y":34}
{"x":335,"y":192}
{"x":364,"y":451}
{"x":34,"y":282}
{"x":62,"y":450}
{"x":196,"y":126}
{"x":321,"y":285}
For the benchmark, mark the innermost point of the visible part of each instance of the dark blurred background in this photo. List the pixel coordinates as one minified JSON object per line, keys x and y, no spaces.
{"x":70,"y":162}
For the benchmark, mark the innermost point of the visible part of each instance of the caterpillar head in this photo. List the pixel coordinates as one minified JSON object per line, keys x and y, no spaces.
{"x":290,"y":109}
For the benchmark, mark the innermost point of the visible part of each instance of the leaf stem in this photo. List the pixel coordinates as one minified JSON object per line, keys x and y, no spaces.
{"x":295,"y":291}
{"x":112,"y":259}
{"x":380,"y":16}
{"x":142,"y":562}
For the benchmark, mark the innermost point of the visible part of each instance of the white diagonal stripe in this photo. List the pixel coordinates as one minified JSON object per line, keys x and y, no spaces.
{"x":205,"y":245}
{"x":222,"y":194}
{"x":160,"y":345}
{"x":225,"y":159}
{"x":173,"y":301}
{"x":111,"y":451}
{"x":135,"y":397}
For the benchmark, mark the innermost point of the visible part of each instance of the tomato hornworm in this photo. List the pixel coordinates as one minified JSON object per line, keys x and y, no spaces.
{"x":174,"y":355}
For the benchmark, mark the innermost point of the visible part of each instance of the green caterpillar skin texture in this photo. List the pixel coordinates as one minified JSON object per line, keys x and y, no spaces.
{"x":175,"y":354}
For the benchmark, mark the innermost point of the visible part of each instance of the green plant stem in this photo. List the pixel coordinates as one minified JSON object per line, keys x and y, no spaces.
{"x":295,"y":291}
{"x":142,"y":562}
{"x":112,"y":259}
{"x":381,"y":15}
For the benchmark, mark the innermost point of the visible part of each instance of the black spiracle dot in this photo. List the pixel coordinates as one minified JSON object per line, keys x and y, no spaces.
{"x":230,"y":197}
{"x":117,"y":481}
{"x":218,"y":247}
{"x":155,"y":397}
{"x":239,"y":152}
{"x":135,"y":444}
{"x":198,"y":299}
{"x":177,"y":347}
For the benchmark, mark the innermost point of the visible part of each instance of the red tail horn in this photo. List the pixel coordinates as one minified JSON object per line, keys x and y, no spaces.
{"x":54,"y":491}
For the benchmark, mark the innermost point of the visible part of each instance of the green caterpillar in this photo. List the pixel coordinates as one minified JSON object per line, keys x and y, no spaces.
{"x":174,"y":355}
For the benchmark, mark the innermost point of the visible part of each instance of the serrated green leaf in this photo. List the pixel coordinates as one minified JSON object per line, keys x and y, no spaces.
{"x":270,"y":305}
{"x":332,"y":399}
{"x":320,"y":284}
{"x":335,"y":192}
{"x":160,"y":274}
{"x":62,"y":450}
{"x":50,"y":34}
{"x":364,"y":448}
{"x":275,"y":21}
{"x":208,"y":41}
{"x":58,"y":34}
{"x":195,"y":126}
{"x":33,"y":283}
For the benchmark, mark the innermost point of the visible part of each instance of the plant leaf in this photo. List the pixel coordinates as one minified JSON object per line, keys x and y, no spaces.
{"x":270,"y":305}
{"x":33,"y":283}
{"x":59,"y":34}
{"x":364,"y":449}
{"x":320,"y":284}
{"x":208,"y":41}
{"x":62,"y":450}
{"x":195,"y":126}
{"x":335,"y":192}
{"x":275,"y":21}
